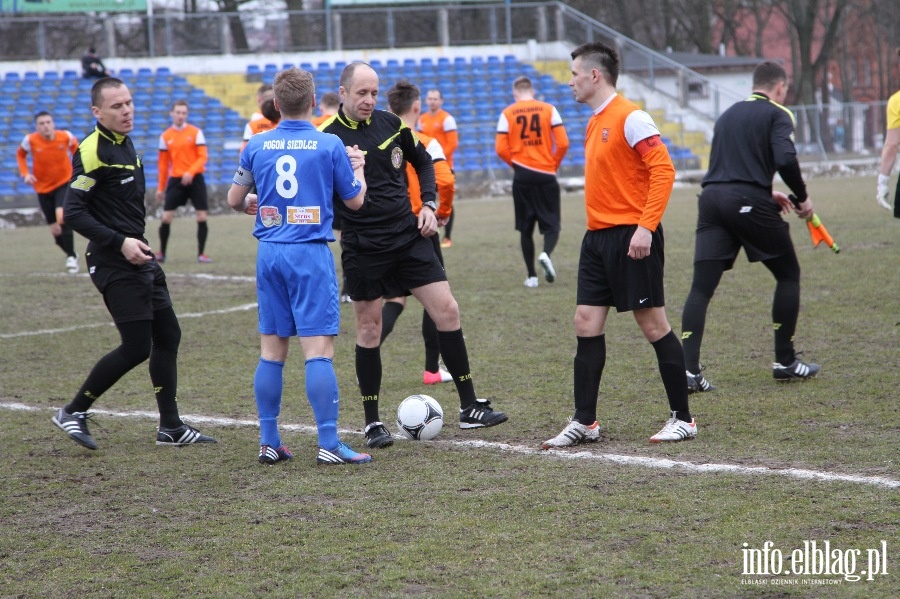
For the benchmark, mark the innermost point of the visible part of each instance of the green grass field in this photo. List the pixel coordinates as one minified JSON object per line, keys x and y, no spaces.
{"x":478,"y":513}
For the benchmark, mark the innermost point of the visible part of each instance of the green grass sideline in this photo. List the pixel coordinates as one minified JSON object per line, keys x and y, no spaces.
{"x":432,"y":520}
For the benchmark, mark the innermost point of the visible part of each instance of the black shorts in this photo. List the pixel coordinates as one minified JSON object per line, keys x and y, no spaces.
{"x":49,"y":202}
{"x":178,"y":195}
{"x":734,"y":216}
{"x":608,"y":277}
{"x":536,"y":199}
{"x":388,"y":261}
{"x":130,"y":292}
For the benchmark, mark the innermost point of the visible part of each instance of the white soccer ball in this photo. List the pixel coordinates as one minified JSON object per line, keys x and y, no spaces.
{"x":420,"y":417}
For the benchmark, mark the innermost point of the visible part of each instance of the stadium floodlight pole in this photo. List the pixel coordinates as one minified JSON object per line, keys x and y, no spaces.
{"x":150,"y":44}
{"x":508,"y":11}
{"x":328,"y":42}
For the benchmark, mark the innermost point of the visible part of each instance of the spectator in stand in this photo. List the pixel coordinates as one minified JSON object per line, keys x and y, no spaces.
{"x":91,"y":65}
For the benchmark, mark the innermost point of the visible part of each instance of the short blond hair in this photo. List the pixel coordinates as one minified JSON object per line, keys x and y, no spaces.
{"x":294,"y":91}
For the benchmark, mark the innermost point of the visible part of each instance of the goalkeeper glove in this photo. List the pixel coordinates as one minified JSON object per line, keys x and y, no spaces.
{"x":882,"y":194}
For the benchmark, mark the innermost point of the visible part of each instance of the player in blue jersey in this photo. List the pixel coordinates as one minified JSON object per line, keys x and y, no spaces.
{"x":296,"y":170}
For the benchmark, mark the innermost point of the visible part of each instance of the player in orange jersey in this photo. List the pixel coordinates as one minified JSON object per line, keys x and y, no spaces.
{"x":269,"y":120}
{"x":263,"y":93}
{"x":51,"y":158}
{"x":439,"y":124}
{"x":628,"y":177}
{"x":182,"y":160}
{"x":531,"y":139}
{"x":404,"y":100}
{"x":328,"y":107}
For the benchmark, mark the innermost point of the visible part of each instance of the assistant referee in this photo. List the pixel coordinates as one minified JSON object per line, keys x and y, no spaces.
{"x":105,"y":203}
{"x":752,"y":140}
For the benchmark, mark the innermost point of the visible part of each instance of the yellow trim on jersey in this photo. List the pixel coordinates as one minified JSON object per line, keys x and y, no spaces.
{"x":784,"y":108}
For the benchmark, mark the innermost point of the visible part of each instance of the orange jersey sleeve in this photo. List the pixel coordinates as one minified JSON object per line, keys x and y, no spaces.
{"x":561,"y":139}
{"x":51,"y":159}
{"x":531,"y":134}
{"x":625,"y":185}
{"x":446,"y":182}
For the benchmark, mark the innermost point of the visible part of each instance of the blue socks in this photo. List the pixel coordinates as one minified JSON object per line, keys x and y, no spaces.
{"x":322,"y":391}
{"x":267,"y":386}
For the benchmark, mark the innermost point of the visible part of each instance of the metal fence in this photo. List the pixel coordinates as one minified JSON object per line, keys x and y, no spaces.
{"x":821,"y":131}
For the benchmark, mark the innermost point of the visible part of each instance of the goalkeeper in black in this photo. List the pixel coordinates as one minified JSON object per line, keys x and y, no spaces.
{"x":105,"y":203}
{"x":752,"y":140}
{"x":386,"y":253}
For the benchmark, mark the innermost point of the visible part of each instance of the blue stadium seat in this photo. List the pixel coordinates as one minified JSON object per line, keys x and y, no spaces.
{"x":126,"y":72}
{"x":253,"y":69}
{"x":145,"y":72}
{"x":31,"y":76}
{"x":12,"y":76}
{"x":163,"y":71}
{"x":70,"y":75}
{"x":51,"y":76}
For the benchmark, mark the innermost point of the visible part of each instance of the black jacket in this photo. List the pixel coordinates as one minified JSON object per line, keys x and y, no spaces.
{"x":388,"y":144}
{"x":105,"y":200}
{"x":753,"y":140}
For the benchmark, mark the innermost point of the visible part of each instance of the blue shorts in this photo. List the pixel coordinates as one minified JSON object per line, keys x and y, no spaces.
{"x":297,"y":289}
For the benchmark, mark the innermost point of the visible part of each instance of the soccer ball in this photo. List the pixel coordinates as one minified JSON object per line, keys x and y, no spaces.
{"x":420,"y":417}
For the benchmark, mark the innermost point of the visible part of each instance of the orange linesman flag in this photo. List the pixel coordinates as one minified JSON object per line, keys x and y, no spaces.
{"x":819,"y":233}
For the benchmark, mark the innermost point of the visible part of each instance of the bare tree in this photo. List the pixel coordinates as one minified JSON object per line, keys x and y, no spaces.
{"x":812,"y":21}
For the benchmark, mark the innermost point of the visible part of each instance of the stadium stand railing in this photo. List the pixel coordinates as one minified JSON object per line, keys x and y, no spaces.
{"x":475,"y":91}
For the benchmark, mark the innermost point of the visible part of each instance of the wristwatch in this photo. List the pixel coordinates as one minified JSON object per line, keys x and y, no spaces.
{"x":430,"y":204}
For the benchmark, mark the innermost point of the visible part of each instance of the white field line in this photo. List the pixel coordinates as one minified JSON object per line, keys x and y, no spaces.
{"x":627,"y":460}
{"x":95,"y":325}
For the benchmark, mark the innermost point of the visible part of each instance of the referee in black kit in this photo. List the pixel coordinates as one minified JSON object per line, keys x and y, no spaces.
{"x":105,"y":203}
{"x":385,"y":250}
{"x":752,"y":140}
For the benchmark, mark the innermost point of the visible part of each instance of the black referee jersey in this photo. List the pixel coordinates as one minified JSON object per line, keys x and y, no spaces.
{"x":752,"y":140}
{"x":105,"y":200}
{"x":388,"y":143}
